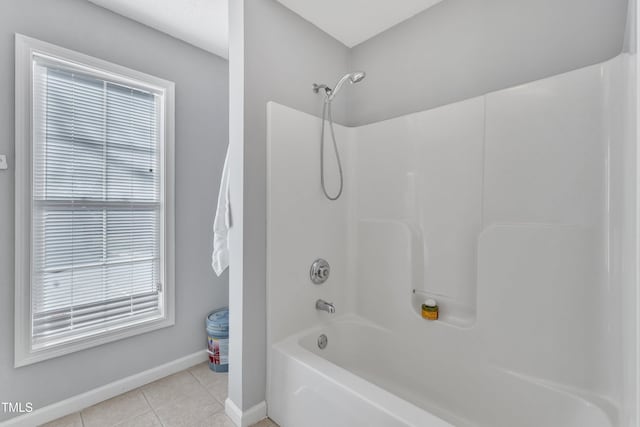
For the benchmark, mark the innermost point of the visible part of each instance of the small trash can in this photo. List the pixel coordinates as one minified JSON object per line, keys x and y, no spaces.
{"x":218,"y":339}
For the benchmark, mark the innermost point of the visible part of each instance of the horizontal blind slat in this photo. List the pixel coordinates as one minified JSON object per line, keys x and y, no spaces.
{"x":96,"y":192}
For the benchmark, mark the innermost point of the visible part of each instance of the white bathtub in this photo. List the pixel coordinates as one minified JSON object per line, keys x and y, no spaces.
{"x":356,"y":381}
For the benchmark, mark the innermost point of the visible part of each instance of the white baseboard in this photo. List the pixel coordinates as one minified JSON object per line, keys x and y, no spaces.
{"x":77,"y":403}
{"x":248,"y":417}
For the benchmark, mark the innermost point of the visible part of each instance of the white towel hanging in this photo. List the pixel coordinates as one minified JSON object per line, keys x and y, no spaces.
{"x":222,"y":223}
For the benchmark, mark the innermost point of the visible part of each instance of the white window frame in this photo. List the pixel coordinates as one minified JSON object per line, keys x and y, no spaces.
{"x":25,"y":49}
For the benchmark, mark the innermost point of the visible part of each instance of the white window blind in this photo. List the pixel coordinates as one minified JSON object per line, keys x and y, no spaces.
{"x":96,"y":204}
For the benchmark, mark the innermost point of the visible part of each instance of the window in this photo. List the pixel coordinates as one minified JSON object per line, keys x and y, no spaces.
{"x":94,"y":204}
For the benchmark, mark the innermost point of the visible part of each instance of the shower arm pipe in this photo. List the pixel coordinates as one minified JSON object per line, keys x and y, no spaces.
{"x":318,"y":87}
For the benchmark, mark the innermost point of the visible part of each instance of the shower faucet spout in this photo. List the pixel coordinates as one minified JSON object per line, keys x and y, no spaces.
{"x":322,"y":305}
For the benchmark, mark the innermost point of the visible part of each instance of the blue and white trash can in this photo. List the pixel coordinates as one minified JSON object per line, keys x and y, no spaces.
{"x":218,"y":339}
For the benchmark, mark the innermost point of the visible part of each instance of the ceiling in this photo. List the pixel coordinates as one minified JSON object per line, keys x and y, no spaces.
{"x":202,"y":23}
{"x":355,"y":21}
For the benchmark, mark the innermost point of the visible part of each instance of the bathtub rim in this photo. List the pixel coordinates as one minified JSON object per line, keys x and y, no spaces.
{"x":387,"y":402}
{"x":393,"y":405}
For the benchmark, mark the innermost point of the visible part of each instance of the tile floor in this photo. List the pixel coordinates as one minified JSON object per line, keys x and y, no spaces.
{"x":191,"y":398}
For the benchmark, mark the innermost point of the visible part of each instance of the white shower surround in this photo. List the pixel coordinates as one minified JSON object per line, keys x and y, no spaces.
{"x":512,"y":209}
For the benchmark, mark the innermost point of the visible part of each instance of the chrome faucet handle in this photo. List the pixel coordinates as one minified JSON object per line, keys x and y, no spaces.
{"x":319,"y":272}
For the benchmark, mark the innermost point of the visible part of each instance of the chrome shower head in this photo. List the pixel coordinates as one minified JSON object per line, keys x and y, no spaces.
{"x":355,"y":77}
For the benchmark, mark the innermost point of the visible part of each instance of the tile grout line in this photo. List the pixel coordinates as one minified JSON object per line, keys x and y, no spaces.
{"x":222,"y":410}
{"x":198,"y":382}
{"x":208,"y":391}
{"x":202,"y":384}
{"x":119,"y":423}
{"x":214,"y":398}
{"x":144,"y":396}
{"x":139,"y":389}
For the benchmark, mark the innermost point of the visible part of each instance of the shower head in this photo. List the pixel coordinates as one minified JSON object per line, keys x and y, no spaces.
{"x":357,"y":76}
{"x":354,"y":77}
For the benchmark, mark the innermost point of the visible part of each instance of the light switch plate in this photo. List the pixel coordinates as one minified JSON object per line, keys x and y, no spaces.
{"x":3,"y":162}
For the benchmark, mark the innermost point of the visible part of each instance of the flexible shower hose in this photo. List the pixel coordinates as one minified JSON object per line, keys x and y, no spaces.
{"x":326,"y":113}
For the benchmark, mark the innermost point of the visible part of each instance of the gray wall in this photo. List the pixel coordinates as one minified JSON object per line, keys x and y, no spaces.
{"x":464,"y":48}
{"x":201,"y":138}
{"x":283,"y":55}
